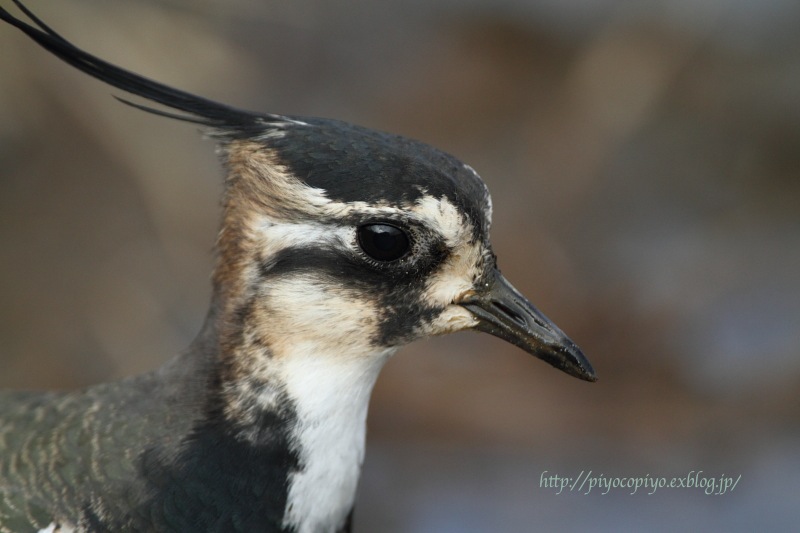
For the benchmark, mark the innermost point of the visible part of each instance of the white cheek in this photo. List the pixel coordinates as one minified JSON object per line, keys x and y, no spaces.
{"x":456,"y":276}
{"x":445,"y":289}
{"x":453,"y":318}
{"x":312,"y":314}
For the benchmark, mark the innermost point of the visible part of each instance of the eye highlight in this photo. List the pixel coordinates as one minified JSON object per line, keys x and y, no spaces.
{"x":383,"y":242}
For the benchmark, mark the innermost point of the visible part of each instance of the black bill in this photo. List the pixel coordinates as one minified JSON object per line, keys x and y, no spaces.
{"x":503,"y":312}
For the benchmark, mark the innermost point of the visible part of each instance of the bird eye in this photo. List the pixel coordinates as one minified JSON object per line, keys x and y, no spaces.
{"x":383,"y":242}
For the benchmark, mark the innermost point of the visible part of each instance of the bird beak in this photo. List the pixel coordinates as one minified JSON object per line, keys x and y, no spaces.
{"x":503,"y":312}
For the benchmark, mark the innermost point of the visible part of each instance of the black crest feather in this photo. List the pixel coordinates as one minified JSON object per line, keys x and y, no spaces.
{"x":199,"y":110}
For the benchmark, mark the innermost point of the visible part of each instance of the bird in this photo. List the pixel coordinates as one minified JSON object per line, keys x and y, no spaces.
{"x":337,"y":245}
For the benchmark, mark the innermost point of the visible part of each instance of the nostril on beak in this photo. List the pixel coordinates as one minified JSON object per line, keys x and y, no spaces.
{"x":515,"y":316}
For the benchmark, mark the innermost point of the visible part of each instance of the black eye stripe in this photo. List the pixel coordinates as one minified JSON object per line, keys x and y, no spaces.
{"x":383,"y":242}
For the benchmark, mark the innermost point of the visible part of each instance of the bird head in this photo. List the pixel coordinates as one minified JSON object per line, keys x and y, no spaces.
{"x":342,"y":238}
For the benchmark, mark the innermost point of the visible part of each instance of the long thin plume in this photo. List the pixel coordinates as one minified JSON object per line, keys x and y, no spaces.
{"x":199,"y":110}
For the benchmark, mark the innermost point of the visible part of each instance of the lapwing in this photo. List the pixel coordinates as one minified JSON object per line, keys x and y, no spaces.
{"x":338,"y":245}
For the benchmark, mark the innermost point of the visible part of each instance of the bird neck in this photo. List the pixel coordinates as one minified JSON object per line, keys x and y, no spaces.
{"x":315,"y":395}
{"x":330,"y":398}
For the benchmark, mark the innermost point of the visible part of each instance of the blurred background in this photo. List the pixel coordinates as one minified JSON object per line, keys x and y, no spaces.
{"x":644,"y":160}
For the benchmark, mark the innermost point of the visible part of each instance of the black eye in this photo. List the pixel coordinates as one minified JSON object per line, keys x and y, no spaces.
{"x":383,"y":242}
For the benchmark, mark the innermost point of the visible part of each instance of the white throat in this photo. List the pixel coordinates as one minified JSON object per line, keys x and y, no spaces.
{"x":331,"y":396}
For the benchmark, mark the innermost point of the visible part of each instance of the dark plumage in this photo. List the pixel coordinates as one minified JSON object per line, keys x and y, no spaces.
{"x":338,"y":244}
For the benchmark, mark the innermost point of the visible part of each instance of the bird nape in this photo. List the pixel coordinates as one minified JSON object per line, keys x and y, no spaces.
{"x":338,"y":244}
